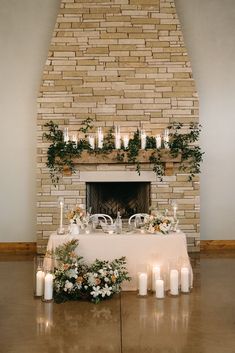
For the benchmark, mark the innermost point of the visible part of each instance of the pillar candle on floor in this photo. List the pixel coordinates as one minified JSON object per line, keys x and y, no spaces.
{"x":159,"y":285}
{"x":48,"y":287}
{"x":174,"y":282}
{"x":184,"y":279}
{"x":143,"y":283}
{"x":40,"y":275}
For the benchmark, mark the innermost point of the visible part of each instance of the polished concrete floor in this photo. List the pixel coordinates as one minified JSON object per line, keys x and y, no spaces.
{"x":202,"y":322}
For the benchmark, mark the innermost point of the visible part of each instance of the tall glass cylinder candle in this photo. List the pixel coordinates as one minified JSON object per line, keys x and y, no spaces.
{"x":100,"y":137}
{"x":166,"y":138}
{"x":117,"y":137}
{"x":48,"y":287}
{"x":91,"y":141}
{"x":143,"y":283}
{"x":158,"y":141}
{"x":143,"y":139}
{"x":66,"y":134}
{"x":174,"y":282}
{"x":39,"y":276}
{"x":156,"y":273}
{"x":184,"y":279}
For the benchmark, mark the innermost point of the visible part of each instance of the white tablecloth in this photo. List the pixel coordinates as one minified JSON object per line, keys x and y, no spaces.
{"x":142,"y":251}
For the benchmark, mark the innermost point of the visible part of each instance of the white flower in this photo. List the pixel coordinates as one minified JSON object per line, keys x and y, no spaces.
{"x":106,"y":279}
{"x":106,"y":291}
{"x":96,"y":291}
{"x":72,"y":273}
{"x":91,"y":279}
{"x":116,"y":274}
{"x":163,"y":227}
{"x":68,"y":286}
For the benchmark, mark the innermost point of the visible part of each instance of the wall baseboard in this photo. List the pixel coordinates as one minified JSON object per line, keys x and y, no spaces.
{"x":217,"y":245}
{"x":31,"y":248}
{"x":18,"y":248}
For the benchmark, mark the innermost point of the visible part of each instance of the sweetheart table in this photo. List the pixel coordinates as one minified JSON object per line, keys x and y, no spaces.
{"x":142,"y":251}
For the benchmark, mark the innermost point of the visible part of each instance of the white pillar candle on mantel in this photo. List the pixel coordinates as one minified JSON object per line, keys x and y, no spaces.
{"x":66,"y":134}
{"x":166,"y":138}
{"x":158,"y":141}
{"x":91,"y":141}
{"x":159,"y":285}
{"x":40,"y":276}
{"x":184,"y":279}
{"x":75,"y":139}
{"x":143,"y":283}
{"x":48,"y":287}
{"x":174,"y":282}
{"x":143,"y":139}
{"x":125,"y":141}
{"x":156,"y":274}
{"x":117,"y":142}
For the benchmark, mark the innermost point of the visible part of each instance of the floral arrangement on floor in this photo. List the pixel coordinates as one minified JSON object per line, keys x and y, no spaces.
{"x":78,"y":216}
{"x":156,"y":222}
{"x":74,"y":280}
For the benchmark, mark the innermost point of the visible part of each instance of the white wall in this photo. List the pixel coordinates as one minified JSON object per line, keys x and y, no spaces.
{"x":209,"y":32}
{"x":25,"y":31}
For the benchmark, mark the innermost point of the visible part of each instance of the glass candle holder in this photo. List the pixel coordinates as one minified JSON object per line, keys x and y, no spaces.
{"x":38,"y":276}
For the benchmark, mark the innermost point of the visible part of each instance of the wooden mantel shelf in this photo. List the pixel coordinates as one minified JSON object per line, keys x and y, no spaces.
{"x":111,"y":158}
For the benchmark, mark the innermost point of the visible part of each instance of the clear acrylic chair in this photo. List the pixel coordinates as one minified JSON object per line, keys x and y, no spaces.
{"x":98,"y":218}
{"x":137,"y":219}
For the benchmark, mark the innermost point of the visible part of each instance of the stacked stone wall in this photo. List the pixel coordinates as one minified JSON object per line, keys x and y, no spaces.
{"x":118,"y":62}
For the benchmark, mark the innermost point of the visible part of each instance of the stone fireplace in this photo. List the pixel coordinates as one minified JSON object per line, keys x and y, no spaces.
{"x":118,"y":62}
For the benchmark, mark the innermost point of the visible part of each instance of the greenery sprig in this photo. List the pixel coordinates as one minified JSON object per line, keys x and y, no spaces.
{"x":61,"y":154}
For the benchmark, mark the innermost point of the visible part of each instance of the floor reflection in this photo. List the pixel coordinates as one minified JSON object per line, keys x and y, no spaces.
{"x":160,"y":322}
{"x":44,"y":317}
{"x":200,"y":322}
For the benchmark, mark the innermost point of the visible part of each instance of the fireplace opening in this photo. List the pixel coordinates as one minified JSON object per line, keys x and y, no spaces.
{"x":110,"y":197}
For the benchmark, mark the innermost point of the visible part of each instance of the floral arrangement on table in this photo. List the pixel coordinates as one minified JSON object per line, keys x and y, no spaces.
{"x":78,"y":216}
{"x":74,"y":280}
{"x":156,"y":222}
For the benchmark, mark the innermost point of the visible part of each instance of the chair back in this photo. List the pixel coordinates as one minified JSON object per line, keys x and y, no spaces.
{"x":101,"y":217}
{"x":137,"y":219}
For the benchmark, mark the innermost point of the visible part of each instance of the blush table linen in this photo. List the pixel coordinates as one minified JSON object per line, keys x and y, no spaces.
{"x":142,"y":251}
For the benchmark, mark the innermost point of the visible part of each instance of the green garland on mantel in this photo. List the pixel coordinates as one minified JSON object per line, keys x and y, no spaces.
{"x":61,"y":154}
